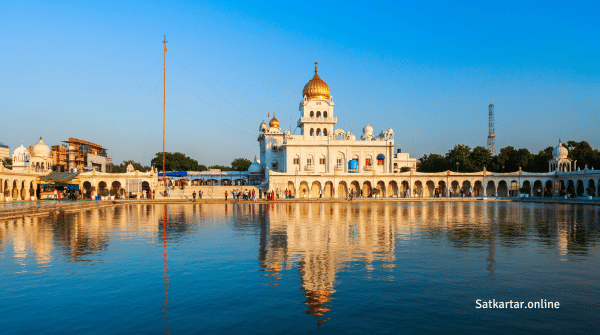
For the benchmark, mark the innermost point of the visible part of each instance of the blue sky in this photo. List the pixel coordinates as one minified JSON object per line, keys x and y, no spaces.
{"x":93,"y":70}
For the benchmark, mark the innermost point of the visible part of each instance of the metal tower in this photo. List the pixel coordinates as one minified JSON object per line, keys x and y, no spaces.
{"x":491,"y":144}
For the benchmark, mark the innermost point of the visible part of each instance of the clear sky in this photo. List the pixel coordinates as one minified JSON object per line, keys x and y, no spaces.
{"x":93,"y":70}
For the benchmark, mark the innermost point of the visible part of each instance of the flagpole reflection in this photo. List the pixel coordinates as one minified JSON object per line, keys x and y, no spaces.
{"x":165,"y":307}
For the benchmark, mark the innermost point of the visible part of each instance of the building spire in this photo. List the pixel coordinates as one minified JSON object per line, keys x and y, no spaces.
{"x":316,"y":67}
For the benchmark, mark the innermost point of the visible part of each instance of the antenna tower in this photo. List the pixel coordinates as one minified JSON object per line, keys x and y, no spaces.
{"x":491,"y":143}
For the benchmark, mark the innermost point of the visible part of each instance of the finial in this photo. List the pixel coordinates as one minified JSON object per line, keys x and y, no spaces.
{"x":316,"y":66}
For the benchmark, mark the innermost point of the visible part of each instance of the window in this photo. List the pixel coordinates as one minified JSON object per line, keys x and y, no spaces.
{"x":296,"y":161}
{"x":309,"y":162}
{"x":318,"y":114}
{"x":380,"y":162}
{"x":324,"y":114}
{"x":322,"y":161}
{"x":312,"y":132}
{"x":368,"y":162}
{"x":312,"y":114}
{"x":324,"y":132}
{"x":318,"y":132}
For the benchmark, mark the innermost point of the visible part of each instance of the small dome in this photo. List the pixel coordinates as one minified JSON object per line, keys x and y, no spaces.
{"x":255,"y":167}
{"x":316,"y":88}
{"x":274,"y":123}
{"x":40,"y":149}
{"x":560,"y":151}
{"x":367,"y":130}
{"x":263,"y":126}
{"x":21,"y":150}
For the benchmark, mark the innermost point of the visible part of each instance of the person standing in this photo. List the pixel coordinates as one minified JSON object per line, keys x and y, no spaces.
{"x":320,"y":194}
{"x":225,"y":195}
{"x":194,"y":196}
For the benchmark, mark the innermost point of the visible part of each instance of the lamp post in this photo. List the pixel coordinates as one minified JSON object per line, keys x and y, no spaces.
{"x":457,"y":166}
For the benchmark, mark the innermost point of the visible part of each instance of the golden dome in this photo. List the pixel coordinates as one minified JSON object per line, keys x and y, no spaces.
{"x":316,"y":88}
{"x":274,"y":122}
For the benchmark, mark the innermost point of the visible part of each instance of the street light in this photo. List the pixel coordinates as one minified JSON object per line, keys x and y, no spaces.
{"x":457,"y":166}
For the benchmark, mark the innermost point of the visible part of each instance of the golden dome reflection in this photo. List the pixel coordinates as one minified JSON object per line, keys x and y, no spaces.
{"x":316,"y":88}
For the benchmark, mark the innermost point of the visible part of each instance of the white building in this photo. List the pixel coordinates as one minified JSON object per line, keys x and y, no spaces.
{"x":321,"y":152}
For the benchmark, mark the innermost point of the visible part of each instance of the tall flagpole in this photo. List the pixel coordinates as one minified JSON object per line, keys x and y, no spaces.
{"x":164,"y":102}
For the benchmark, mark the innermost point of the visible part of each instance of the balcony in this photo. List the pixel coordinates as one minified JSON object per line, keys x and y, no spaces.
{"x":309,"y":168}
{"x":368,"y":168}
{"x":339,"y":168}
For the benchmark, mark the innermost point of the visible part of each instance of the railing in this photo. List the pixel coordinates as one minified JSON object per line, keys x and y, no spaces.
{"x":339,"y":167}
{"x":368,"y":168}
{"x":309,"y":168}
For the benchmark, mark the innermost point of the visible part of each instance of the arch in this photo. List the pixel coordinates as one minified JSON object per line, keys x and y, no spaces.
{"x":392,"y":189}
{"x":404,"y":188}
{"x":490,"y":189}
{"x":291,"y":188}
{"x":312,"y":114}
{"x":328,"y":190}
{"x":537,"y":188}
{"x":314,"y":189}
{"x":367,"y":190}
{"x":145,"y":186}
{"x":87,"y":186}
{"x":312,"y":132}
{"x":454,"y":188}
{"x":580,"y":188}
{"x":570,"y":188}
{"x":442,"y":188}
{"x":318,"y":113}
{"x":274,"y":165}
{"x":478,"y":189}
{"x":430,"y":189}
{"x":591,"y":188}
{"x":325,"y":114}
{"x":101,"y":185}
{"x":418,"y":189}
{"x":325,"y":132}
{"x":526,"y":189}
{"x":502,"y":188}
{"x":22,"y":192}
{"x":466,"y":186}
{"x":6,"y":191}
{"x":355,"y":187}
{"x":514,"y":188}
{"x":380,"y":189}
{"x":318,"y":131}
{"x":342,"y":189}
{"x":15,"y":191}
{"x":303,"y":189}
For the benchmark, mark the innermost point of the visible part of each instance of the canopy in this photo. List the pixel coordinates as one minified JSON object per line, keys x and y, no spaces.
{"x":174,"y":174}
{"x":380,"y":156}
{"x":61,"y":178}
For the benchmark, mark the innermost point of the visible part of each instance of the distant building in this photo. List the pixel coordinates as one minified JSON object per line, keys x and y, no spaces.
{"x":4,"y":151}
{"x":79,"y":154}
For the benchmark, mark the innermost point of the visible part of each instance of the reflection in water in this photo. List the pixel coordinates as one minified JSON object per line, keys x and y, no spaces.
{"x":319,"y":241}
{"x":165,"y":307}
{"x":324,"y":238}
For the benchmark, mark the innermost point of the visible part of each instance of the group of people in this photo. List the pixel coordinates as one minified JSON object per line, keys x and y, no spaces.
{"x":199,"y":195}
{"x":244,"y":195}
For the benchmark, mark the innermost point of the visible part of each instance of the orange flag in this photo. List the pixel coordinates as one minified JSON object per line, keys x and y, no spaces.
{"x":165,"y":48}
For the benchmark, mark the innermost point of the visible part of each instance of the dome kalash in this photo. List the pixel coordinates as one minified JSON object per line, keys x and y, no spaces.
{"x":274,"y":123}
{"x":316,"y":88}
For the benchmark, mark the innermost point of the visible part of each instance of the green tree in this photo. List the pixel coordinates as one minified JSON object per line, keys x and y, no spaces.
{"x":432,"y":163}
{"x":460,"y":154}
{"x":540,"y":161}
{"x":241,"y":164}
{"x":7,"y":162}
{"x":583,"y":153}
{"x":177,"y":162}
{"x":480,"y":157}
